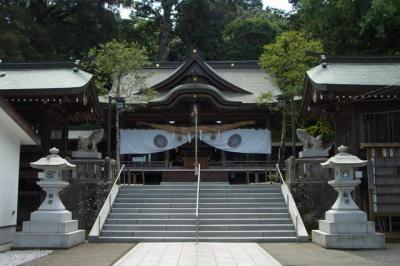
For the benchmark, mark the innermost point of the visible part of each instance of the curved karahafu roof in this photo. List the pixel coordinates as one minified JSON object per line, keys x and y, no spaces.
{"x":238,"y":82}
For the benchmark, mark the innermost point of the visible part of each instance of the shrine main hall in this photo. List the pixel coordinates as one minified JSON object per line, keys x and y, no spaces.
{"x":220,"y":98}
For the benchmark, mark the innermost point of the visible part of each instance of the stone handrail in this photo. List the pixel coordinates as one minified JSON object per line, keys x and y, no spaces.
{"x":101,"y":218}
{"x":301,"y":232}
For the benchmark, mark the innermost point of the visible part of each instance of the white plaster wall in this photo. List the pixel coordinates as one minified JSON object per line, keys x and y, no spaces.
{"x":9,"y":172}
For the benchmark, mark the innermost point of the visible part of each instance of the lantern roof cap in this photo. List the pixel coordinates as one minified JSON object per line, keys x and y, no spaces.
{"x":342,"y":158}
{"x":52,"y":160}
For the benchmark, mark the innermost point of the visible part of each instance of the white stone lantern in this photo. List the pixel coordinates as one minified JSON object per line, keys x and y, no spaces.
{"x":51,"y":226}
{"x":345,"y":225}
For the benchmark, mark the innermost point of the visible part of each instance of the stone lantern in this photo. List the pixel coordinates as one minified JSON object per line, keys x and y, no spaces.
{"x":345,"y":225}
{"x":51,"y":226}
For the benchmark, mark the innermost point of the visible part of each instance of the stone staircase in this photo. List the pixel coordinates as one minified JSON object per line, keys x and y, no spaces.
{"x":246,"y":213}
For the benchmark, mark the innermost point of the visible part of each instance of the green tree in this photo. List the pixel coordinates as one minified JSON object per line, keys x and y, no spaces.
{"x":353,"y":27}
{"x":119,"y":61}
{"x":288,"y":58}
{"x":55,"y":29}
{"x":200,"y":24}
{"x":245,"y":37}
{"x":161,"y":13}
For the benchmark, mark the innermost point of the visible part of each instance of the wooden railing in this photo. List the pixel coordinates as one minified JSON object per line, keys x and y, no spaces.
{"x":211,"y":165}
{"x":93,"y":170}
{"x":240,"y":164}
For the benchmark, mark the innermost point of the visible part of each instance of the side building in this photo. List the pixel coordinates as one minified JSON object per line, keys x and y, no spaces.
{"x":361,"y":98}
{"x":14,"y":132}
{"x":51,"y":97}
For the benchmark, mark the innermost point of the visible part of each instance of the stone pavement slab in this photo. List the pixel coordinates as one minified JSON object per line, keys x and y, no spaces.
{"x":189,"y":253}
{"x":88,"y":254}
{"x":309,"y":254}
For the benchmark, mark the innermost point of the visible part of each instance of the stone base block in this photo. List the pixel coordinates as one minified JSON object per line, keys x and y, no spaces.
{"x":86,"y":154}
{"x":355,"y":216}
{"x":50,"y":227}
{"x":348,"y":241}
{"x":51,"y":216}
{"x":347,"y":228}
{"x":6,"y":237}
{"x":5,"y":247}
{"x":314,"y":153}
{"x":48,"y":240}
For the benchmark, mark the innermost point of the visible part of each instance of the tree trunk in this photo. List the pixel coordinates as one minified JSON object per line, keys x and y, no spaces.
{"x":165,"y":30}
{"x":281,"y":154}
{"x":117,"y":139}
{"x":293,"y":123}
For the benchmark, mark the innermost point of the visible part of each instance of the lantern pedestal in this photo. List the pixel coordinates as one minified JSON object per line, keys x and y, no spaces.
{"x":51,"y":226}
{"x":345,"y":225}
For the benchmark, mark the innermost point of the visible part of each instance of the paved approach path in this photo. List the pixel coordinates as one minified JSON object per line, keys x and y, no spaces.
{"x":203,"y":253}
{"x":87,"y":254}
{"x":309,"y":254}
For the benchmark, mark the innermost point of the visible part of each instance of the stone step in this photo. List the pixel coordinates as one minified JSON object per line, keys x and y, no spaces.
{"x":192,"y":233}
{"x":201,"y":221}
{"x":201,"y":211}
{"x":201,"y":205}
{"x":151,"y":215}
{"x":205,"y":186}
{"x":104,"y":239}
{"x":243,"y":213}
{"x":127,"y":233}
{"x":202,"y":200}
{"x":202,"y":195}
{"x":205,"y":191}
{"x":281,"y":215}
{"x":245,"y":221}
{"x":202,"y":227}
{"x":151,"y":221}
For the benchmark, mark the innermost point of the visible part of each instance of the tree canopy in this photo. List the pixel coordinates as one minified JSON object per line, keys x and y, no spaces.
{"x":170,"y":29}
{"x":288,"y":58}
{"x":352,"y":27}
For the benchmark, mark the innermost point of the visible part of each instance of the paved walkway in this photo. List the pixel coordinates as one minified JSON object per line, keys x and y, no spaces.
{"x":87,"y":254}
{"x":208,"y":254}
{"x":292,"y":254}
{"x":313,"y":255}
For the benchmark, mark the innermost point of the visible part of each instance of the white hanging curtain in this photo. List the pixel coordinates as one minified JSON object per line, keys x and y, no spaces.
{"x":144,"y":141}
{"x":240,"y":140}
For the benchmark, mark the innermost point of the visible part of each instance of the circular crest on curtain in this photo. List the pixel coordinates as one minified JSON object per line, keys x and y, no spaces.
{"x":160,"y":141}
{"x":234,"y":140}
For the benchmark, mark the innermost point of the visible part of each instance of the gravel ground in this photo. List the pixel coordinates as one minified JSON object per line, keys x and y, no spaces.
{"x":17,"y":257}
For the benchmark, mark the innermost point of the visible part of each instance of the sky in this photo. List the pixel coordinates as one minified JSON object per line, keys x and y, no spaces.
{"x":281,"y":4}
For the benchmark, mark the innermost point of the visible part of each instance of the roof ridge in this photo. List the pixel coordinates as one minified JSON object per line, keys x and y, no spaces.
{"x":363,"y":59}
{"x":29,"y":65}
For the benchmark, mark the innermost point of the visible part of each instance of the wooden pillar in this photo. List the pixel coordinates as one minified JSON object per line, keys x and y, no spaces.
{"x":268,"y":126}
{"x":167,"y":158}
{"x":109,"y":129}
{"x":223,"y":158}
